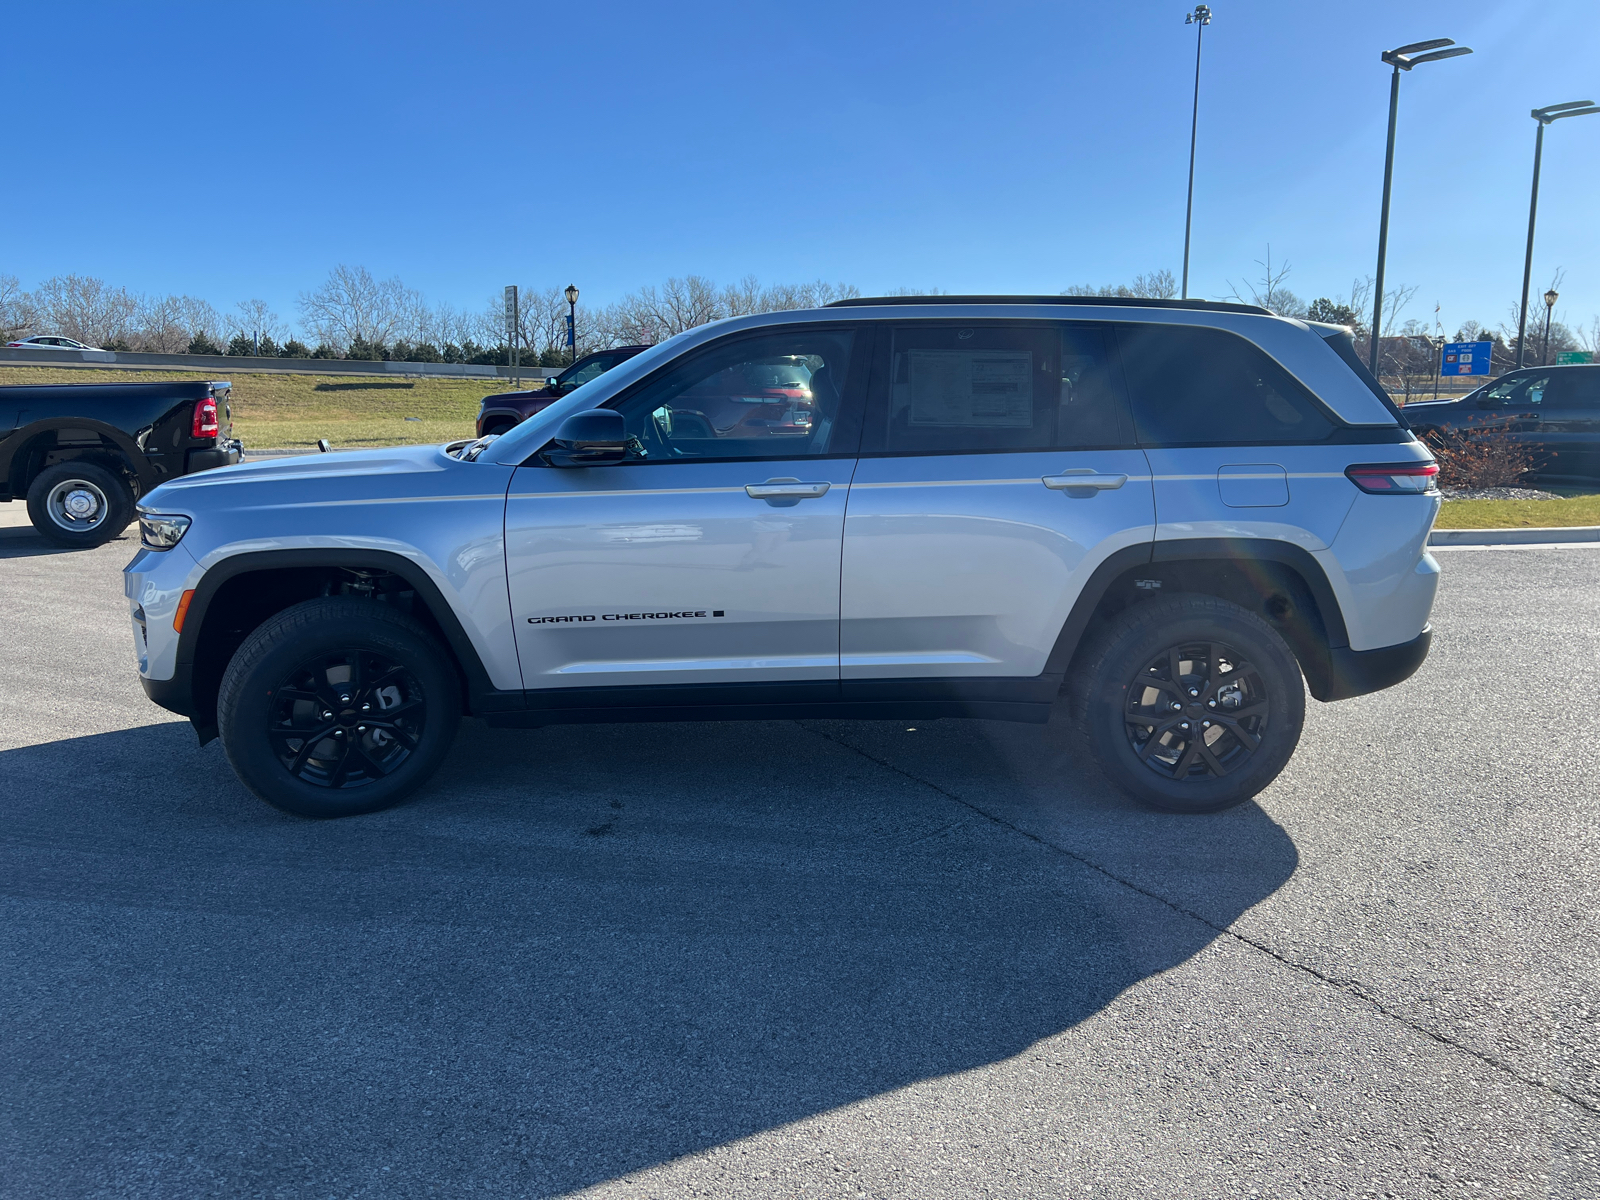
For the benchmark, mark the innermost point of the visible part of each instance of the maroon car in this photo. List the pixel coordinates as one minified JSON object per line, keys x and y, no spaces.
{"x":501,"y":411}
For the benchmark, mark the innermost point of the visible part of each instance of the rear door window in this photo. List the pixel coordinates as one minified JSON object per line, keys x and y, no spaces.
{"x":1194,"y":386}
{"x":991,"y":386}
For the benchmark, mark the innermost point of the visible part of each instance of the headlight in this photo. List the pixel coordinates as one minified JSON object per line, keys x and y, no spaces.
{"x":158,"y":531}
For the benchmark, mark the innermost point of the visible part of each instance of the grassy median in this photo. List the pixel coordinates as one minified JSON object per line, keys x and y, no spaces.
{"x":1515,"y":514}
{"x":273,"y":411}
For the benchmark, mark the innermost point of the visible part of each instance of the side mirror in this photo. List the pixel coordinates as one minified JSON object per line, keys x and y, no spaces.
{"x":595,"y":438}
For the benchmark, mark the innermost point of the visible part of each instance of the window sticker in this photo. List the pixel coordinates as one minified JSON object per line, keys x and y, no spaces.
{"x":986,"y":388}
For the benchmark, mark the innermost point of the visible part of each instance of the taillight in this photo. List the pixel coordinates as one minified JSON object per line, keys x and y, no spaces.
{"x":1394,"y":479}
{"x":205,"y":417}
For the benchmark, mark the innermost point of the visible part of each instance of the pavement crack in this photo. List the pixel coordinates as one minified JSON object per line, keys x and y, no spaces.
{"x":1349,"y":987}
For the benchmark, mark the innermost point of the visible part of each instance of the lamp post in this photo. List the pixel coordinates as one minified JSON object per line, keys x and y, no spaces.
{"x":572,"y":323}
{"x":1199,"y":18}
{"x":1551,"y":112}
{"x":1550,"y":299}
{"x":1401,"y":59}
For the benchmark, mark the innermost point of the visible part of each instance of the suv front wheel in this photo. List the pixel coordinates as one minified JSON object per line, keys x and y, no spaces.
{"x":336,"y":707}
{"x":1190,"y":704}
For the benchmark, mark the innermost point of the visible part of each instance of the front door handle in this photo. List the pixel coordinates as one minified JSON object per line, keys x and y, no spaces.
{"x":785,"y":489}
{"x":1083,"y":477}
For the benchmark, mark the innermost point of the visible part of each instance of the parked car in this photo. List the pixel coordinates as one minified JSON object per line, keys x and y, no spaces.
{"x":1170,"y":513}
{"x":82,"y":453}
{"x":48,"y":343}
{"x":503,"y":410}
{"x":1554,"y":411}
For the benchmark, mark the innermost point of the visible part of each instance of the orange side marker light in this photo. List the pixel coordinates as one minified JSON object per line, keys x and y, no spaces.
{"x":183,"y":611}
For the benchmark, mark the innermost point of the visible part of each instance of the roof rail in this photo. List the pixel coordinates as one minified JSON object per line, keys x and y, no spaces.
{"x":1101,"y":301}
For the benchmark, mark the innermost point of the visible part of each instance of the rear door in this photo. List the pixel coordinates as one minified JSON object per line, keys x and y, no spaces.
{"x":997,"y":471}
{"x":1569,"y":425}
{"x":712,"y":556}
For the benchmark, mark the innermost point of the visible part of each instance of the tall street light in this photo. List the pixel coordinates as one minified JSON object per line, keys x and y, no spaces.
{"x":572,"y":323}
{"x":1550,"y":299}
{"x":1401,"y":59}
{"x":1552,"y":112}
{"x":1199,"y":18}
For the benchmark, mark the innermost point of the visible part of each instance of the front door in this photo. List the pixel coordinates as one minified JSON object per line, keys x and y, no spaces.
{"x":712,"y":554}
{"x":998,"y":470}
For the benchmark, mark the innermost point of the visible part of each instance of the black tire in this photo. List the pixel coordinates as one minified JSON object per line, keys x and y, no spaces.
{"x":285,"y":681}
{"x":1242,"y":702}
{"x":79,"y":504}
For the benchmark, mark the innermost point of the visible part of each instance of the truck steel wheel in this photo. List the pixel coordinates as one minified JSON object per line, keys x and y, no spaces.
{"x":79,"y":504}
{"x":336,"y":707}
{"x":1191,"y":704}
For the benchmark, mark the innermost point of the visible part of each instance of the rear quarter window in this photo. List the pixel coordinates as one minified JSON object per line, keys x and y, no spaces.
{"x":1196,"y":386}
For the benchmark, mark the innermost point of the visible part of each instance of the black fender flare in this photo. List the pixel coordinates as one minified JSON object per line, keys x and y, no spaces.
{"x":1240,"y":552}
{"x":482,"y":696}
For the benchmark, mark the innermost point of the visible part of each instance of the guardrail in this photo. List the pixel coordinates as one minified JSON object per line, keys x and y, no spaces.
{"x":209,"y":364}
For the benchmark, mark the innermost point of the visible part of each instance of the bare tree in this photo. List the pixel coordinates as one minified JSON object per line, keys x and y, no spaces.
{"x":1268,"y":291}
{"x":1395,"y":300}
{"x":352,"y":306}
{"x":255,"y":318}
{"x":161,"y":327}
{"x":17,"y":318}
{"x":85,"y":308}
{"x":1154,"y":285}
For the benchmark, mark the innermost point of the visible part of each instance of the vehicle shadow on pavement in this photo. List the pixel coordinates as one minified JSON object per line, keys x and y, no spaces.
{"x":581,"y":951}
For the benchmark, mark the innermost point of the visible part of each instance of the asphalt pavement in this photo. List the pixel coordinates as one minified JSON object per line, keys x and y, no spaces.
{"x":809,"y":958}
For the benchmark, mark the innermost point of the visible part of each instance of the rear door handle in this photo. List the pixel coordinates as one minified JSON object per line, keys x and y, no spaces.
{"x":785,"y":489}
{"x":1083,"y":477}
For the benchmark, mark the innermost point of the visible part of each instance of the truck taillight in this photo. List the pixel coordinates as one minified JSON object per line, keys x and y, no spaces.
{"x":205,"y":417}
{"x":1394,"y":479}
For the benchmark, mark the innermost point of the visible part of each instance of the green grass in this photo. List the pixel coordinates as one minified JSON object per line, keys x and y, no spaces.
{"x":293,"y":411}
{"x":1514,"y":514}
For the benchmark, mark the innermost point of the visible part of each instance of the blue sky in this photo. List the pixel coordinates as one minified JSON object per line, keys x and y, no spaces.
{"x":241,"y":149}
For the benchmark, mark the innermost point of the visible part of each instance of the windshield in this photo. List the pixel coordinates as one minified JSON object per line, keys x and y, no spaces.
{"x":527,"y":437}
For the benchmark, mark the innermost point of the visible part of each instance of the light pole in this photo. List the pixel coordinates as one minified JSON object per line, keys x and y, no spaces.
{"x":572,"y":323}
{"x":1552,"y":112}
{"x":1550,"y":299}
{"x":1401,"y":59}
{"x":1199,"y":18}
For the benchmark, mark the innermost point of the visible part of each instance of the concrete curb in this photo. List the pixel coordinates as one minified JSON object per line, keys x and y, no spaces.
{"x":1542,"y":536}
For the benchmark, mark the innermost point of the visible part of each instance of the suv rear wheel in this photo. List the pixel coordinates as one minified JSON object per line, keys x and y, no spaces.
{"x":336,"y":707}
{"x":1191,"y":704}
{"x":79,"y":504}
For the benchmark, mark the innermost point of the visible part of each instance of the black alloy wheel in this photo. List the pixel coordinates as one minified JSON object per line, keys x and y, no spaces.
{"x":347,"y":719}
{"x":1190,"y":703}
{"x":338,"y":706}
{"x":1197,"y":710}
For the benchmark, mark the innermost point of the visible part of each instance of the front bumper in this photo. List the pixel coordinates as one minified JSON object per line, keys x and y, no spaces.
{"x":1357,"y":672}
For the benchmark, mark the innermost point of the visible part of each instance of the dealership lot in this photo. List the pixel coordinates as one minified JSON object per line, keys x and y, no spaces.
{"x":786,"y":958}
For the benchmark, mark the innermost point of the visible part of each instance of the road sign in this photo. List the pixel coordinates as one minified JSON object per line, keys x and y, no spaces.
{"x":1466,"y":358}
{"x":1567,"y":357}
{"x":512,"y":341}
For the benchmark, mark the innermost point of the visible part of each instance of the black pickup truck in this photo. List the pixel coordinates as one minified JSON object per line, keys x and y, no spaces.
{"x":81,"y":454}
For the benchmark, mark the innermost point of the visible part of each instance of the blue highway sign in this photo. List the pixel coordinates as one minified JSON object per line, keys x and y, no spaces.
{"x":1466,"y":358}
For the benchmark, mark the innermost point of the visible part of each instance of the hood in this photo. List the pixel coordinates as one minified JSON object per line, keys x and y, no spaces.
{"x":341,"y":474}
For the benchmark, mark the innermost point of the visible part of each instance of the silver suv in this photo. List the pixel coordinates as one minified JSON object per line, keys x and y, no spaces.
{"x":1163,"y":513}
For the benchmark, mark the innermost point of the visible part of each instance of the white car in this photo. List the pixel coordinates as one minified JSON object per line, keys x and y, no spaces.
{"x":1177,"y":516}
{"x":49,"y":343}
